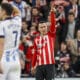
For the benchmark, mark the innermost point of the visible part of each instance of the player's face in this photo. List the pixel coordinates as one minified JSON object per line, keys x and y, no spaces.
{"x":43,"y":29}
{"x":63,"y":46}
{"x":35,"y":12}
{"x":24,"y":25}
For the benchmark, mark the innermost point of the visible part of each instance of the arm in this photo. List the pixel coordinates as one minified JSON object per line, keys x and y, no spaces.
{"x":53,"y":23}
{"x":1,"y":40}
{"x":1,"y":46}
{"x":34,"y":58}
{"x":66,"y":58}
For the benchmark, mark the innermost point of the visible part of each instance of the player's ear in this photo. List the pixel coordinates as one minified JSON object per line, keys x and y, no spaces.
{"x":39,"y":27}
{"x":3,"y":12}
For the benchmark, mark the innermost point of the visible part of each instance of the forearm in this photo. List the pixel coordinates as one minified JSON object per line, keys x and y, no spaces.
{"x":1,"y":53}
{"x":34,"y":59}
{"x":1,"y":47}
{"x":53,"y":22}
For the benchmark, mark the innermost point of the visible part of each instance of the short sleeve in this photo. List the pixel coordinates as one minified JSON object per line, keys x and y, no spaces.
{"x":1,"y":30}
{"x":17,"y":17}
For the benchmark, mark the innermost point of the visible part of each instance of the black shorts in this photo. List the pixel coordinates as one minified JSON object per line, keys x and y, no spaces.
{"x":45,"y":72}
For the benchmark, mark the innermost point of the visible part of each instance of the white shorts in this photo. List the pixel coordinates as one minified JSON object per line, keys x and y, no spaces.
{"x":11,"y":68}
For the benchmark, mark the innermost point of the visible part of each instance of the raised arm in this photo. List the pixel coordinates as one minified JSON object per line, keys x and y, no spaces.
{"x":53,"y":23}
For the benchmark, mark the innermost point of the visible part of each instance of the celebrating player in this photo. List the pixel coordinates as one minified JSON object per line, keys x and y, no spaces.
{"x":43,"y":55}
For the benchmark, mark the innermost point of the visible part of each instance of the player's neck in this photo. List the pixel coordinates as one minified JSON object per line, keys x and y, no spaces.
{"x":6,"y":17}
{"x":43,"y":35}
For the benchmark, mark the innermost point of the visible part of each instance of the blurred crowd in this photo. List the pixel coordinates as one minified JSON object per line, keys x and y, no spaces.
{"x":67,"y":45}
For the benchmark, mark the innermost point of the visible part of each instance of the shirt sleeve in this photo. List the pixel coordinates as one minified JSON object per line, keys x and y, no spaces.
{"x":52,"y":29}
{"x":34,"y":58}
{"x":53,"y":22}
{"x":17,"y":17}
{"x":1,"y":31}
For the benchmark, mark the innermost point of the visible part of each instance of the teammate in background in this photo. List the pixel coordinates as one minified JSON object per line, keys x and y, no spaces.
{"x":43,"y":55}
{"x":10,"y":29}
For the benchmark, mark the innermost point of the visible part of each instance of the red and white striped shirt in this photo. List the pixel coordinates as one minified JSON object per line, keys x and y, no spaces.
{"x":44,"y":46}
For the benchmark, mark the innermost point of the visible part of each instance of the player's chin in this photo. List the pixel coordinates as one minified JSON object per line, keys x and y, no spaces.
{"x":44,"y":33}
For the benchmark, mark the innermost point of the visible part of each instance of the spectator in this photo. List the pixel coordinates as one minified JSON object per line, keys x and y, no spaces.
{"x":61,"y":20}
{"x":76,"y":8}
{"x":35,"y":15}
{"x":63,"y":60}
{"x":24,"y":27}
{"x":43,"y":7}
{"x":75,"y":50}
{"x":21,"y":5}
{"x":23,"y":47}
{"x":71,"y":27}
{"x":27,"y":44}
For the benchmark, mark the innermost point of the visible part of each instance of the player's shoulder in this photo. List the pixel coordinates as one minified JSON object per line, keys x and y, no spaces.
{"x":2,"y":22}
{"x":17,"y":19}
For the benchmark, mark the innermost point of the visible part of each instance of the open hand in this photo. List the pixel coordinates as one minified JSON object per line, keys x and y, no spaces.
{"x":33,"y":71}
